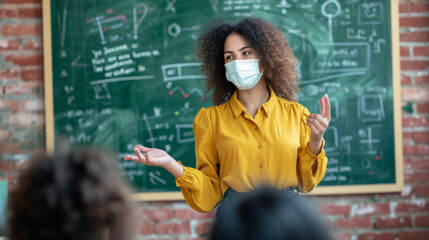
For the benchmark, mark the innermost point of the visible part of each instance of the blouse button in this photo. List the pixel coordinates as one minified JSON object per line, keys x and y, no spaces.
{"x":259,"y":146}
{"x":260,"y":166}
{"x":256,"y":129}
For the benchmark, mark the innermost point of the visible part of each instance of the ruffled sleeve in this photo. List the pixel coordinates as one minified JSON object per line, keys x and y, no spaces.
{"x":307,"y":178}
{"x":200,"y":186}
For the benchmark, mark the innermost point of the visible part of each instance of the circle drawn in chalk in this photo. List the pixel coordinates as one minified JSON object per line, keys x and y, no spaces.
{"x":174,"y":30}
{"x":325,"y":6}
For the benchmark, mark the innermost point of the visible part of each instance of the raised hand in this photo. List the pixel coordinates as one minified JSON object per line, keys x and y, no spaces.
{"x":318,"y":123}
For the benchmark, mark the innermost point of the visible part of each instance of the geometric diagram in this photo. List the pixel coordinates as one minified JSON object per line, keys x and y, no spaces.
{"x":331,"y":134}
{"x":185,"y":95}
{"x":138,"y":22}
{"x":367,"y":138}
{"x":170,"y":5}
{"x":174,"y":29}
{"x":184,"y":133}
{"x":330,"y":11}
{"x":370,"y":13}
{"x":340,"y":57}
{"x":181,"y":71}
{"x":101,"y":92}
{"x":371,"y":108}
{"x":101,"y":20}
{"x":155,"y":178}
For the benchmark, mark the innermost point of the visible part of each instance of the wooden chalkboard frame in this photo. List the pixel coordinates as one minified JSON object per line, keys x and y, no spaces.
{"x":321,"y":190}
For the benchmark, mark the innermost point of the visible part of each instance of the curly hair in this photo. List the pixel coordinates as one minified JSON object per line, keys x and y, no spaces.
{"x":76,"y":195}
{"x":269,"y":43}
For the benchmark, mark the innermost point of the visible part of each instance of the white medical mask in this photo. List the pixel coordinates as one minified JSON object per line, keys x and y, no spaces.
{"x":244,"y":74}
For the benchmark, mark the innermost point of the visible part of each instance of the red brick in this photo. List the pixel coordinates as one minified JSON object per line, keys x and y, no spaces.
{"x":30,"y":13}
{"x":421,"y":136}
{"x":422,"y":221}
{"x":405,"y":51}
{"x":415,"y":121}
{"x":24,"y":88}
{"x":22,"y":60}
{"x":422,"y":190}
{"x":172,"y":228}
{"x":335,"y":210}
{"x":420,"y":163}
{"x":415,"y":94}
{"x":404,"y":7}
{"x":417,"y":36}
{"x":393,"y":222}
{"x":11,"y":44}
{"x":413,"y":177}
{"x":8,"y":13}
{"x":21,"y":30}
{"x":416,"y":150}
{"x":412,"y":206}
{"x":7,"y":166}
{"x":342,"y":236}
{"x":376,"y":236}
{"x":9,"y":74}
{"x":353,"y":223}
{"x":372,"y":209}
{"x":12,"y":148}
{"x":407,"y":137}
{"x":414,"y":21}
{"x":420,"y":7}
{"x":156,"y":215}
{"x":188,"y":214}
{"x":13,"y":105}
{"x":423,"y":107}
{"x":422,"y":80}
{"x":4,"y":135}
{"x":418,"y":235}
{"x":203,"y":228}
{"x":145,"y":229}
{"x":21,"y":1}
{"x":414,"y":65}
{"x":421,"y":51}
{"x":32,"y":74}
{"x":32,"y":44}
{"x":405,"y":80}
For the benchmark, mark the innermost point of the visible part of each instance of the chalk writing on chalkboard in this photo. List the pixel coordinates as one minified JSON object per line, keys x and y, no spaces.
{"x":125,"y":73}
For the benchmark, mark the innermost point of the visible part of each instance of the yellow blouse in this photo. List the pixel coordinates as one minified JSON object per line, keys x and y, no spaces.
{"x":235,"y":150}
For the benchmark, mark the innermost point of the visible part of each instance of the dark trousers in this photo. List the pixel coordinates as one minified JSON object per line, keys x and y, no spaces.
{"x":231,"y":196}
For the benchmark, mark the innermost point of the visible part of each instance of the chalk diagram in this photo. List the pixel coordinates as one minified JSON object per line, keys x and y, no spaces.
{"x":344,"y":59}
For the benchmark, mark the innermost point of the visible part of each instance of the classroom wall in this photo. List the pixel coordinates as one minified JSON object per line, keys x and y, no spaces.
{"x":403,"y":216}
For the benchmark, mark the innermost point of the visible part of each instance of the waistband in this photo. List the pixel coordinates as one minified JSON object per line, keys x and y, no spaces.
{"x":230,"y":194}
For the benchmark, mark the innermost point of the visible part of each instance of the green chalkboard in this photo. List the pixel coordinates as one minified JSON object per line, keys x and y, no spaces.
{"x":123,"y":72}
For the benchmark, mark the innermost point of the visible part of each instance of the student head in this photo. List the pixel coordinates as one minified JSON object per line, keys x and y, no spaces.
{"x":269,"y":214}
{"x":72,"y":195}
{"x":265,"y":41}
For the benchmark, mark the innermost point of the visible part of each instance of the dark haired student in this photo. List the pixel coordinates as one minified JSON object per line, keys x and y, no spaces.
{"x":256,"y":134}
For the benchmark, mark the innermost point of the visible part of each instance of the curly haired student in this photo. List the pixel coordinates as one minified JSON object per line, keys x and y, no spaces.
{"x":256,"y":133}
{"x":70,"y":195}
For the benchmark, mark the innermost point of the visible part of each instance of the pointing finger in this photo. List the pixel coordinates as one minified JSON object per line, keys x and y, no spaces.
{"x":322,"y":105}
{"x":328,"y":107}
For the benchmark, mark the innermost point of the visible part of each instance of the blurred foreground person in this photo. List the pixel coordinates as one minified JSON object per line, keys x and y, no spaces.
{"x":73,"y":195}
{"x":269,"y":214}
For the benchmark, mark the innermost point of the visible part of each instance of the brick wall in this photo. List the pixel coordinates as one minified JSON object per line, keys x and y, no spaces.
{"x":403,"y":216}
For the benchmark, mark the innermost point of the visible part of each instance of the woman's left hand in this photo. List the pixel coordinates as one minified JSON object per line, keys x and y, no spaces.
{"x":318,"y":123}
